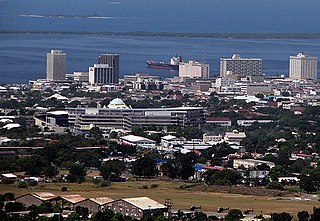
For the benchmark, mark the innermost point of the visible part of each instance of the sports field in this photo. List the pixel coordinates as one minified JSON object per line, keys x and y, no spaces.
{"x":181,"y":198}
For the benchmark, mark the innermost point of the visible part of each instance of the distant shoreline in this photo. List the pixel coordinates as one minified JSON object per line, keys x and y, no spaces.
{"x":178,"y":34}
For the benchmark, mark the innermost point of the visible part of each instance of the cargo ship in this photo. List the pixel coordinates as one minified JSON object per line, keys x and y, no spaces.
{"x":172,"y":65}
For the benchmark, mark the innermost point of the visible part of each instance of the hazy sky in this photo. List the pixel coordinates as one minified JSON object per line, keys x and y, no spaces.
{"x":165,"y":15}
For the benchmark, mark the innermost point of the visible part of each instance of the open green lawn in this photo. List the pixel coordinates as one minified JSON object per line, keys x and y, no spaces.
{"x":181,"y":199}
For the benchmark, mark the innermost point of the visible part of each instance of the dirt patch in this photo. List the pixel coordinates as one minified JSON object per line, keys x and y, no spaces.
{"x":242,"y":190}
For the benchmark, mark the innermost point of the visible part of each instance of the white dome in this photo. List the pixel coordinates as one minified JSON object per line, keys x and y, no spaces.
{"x":117,"y":103}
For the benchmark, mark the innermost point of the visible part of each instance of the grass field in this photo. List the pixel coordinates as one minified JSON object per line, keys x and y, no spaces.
{"x":181,"y":199}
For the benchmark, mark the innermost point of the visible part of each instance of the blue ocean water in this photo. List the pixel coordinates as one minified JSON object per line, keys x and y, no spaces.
{"x":23,"y":56}
{"x":161,"y":15}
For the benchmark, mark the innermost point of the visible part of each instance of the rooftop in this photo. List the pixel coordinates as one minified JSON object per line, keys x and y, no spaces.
{"x":101,"y":200}
{"x":73,"y":198}
{"x":44,"y":195}
{"x":133,"y":138}
{"x":144,"y":203}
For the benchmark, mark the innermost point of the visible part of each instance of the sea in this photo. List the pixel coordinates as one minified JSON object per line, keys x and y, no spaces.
{"x":23,"y":56}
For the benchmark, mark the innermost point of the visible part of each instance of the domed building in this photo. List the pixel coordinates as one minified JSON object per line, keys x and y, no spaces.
{"x":117,"y":103}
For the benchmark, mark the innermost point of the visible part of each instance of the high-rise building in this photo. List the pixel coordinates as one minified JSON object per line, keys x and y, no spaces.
{"x":237,"y":67}
{"x":303,"y":67}
{"x":113,"y":61}
{"x":56,"y":65}
{"x":101,"y":74}
{"x":194,"y":69}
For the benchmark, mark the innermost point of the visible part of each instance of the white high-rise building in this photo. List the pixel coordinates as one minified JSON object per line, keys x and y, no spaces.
{"x":56,"y":65}
{"x":237,"y":67}
{"x":101,"y":74}
{"x":303,"y":67}
{"x":194,"y":69}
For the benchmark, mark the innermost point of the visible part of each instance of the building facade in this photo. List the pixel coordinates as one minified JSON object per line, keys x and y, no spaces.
{"x":113,"y":61}
{"x":237,"y":67}
{"x":194,"y":69}
{"x":81,"y":118}
{"x":137,"y":207}
{"x":101,"y":74}
{"x":250,"y":163}
{"x":56,"y":65}
{"x":303,"y":67}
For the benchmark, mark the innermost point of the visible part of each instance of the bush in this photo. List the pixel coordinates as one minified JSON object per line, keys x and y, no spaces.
{"x":64,"y":189}
{"x":145,"y":187}
{"x":234,"y":214}
{"x":32,"y":183}
{"x":7,"y":181}
{"x":275,"y":186}
{"x":97,"y":181}
{"x":14,"y":207}
{"x":222,"y":183}
{"x":22,"y":185}
{"x":153,"y":186}
{"x":105,"y":183}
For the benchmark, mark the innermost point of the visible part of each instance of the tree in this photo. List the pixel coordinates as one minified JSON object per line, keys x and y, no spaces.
{"x":315,"y":216}
{"x":303,"y":215}
{"x":118,"y":217}
{"x":227,"y":175}
{"x":275,"y":186}
{"x":234,"y":215}
{"x":138,"y":131}
{"x":83,"y":212}
{"x":32,"y":165}
{"x":281,"y":216}
{"x":145,"y":167}
{"x":45,"y":207}
{"x":14,"y":207}
{"x":311,"y":183}
{"x":8,"y":196}
{"x":181,"y":167}
{"x":199,"y":216}
{"x":50,"y":171}
{"x":275,"y":172}
{"x":106,"y":215}
{"x":112,"y":169}
{"x":77,"y":173}
{"x":96,"y":133}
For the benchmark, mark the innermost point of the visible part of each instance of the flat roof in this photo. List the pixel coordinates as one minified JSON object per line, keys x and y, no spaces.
{"x":133,"y":138}
{"x":144,"y":203}
{"x":58,"y":112}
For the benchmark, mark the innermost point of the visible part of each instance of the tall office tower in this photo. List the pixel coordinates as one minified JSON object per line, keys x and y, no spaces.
{"x":56,"y":65}
{"x":303,"y":67}
{"x":101,"y":74}
{"x":237,"y":67}
{"x":193,"y":69}
{"x":113,"y":61}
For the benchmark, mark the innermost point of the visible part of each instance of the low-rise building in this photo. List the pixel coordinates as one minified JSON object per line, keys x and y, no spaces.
{"x":36,"y":198}
{"x":250,"y":163}
{"x":247,"y":123}
{"x":137,"y":141}
{"x":95,"y":204}
{"x":234,"y":136}
{"x":119,"y":116}
{"x":170,"y":141}
{"x":219,"y":121}
{"x":137,"y":208}
{"x":71,"y":201}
